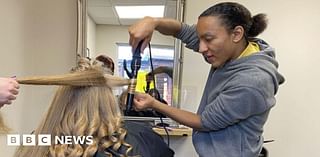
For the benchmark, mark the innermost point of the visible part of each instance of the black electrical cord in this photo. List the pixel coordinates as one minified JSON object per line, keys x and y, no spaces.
{"x":153,"y":77}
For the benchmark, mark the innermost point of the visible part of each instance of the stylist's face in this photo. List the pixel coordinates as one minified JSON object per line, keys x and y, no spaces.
{"x":216,"y":43}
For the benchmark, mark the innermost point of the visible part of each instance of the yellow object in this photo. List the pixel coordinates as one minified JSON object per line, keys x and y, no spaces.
{"x":250,"y":49}
{"x":141,"y":81}
{"x":174,"y":131}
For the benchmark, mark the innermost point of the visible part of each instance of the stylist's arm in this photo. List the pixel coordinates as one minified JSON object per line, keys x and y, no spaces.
{"x":143,"y":101}
{"x":9,"y":89}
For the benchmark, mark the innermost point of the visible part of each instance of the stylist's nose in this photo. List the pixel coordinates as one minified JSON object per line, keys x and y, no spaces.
{"x":203,"y":48}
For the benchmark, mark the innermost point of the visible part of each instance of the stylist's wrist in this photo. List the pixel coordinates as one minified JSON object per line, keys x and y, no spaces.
{"x":155,"y":103}
{"x":156,"y":22}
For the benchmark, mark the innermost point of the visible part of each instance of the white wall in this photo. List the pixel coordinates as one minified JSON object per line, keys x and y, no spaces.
{"x":38,"y":37}
{"x":293,"y":30}
{"x":91,"y":36}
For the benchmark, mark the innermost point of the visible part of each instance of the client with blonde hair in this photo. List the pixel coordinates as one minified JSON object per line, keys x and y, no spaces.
{"x":86,"y":111}
{"x":3,"y":127}
{"x":80,"y":111}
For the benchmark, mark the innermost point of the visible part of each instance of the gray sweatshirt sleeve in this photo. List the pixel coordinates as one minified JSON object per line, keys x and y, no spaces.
{"x":233,"y":106}
{"x":188,"y":35}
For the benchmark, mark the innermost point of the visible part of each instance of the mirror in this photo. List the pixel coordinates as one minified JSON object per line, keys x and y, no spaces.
{"x":106,"y":33}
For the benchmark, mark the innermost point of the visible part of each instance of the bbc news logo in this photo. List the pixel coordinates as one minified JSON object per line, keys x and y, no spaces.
{"x":46,"y":140}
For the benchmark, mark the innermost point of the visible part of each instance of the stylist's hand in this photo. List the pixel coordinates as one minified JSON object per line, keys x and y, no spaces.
{"x":143,"y":101}
{"x":8,"y":90}
{"x":142,"y":30}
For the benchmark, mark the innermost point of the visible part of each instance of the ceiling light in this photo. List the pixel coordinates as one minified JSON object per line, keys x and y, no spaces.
{"x":135,"y":12}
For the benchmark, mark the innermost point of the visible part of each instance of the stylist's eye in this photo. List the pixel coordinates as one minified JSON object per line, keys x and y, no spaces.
{"x":208,"y":37}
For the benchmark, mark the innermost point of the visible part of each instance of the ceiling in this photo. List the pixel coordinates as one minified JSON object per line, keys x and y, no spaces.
{"x":103,"y":11}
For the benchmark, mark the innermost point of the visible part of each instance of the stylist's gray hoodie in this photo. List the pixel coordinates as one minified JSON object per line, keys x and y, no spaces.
{"x":236,"y":103}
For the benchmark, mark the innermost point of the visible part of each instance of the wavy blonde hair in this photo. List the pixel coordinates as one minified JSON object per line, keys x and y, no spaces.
{"x":81,"y":111}
{"x":3,"y":127}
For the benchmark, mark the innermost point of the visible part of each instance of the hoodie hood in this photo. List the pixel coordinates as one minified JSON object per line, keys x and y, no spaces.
{"x":264,"y":60}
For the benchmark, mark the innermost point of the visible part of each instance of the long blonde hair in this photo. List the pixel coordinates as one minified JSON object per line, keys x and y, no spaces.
{"x":3,"y":127}
{"x":81,"y":111}
{"x":85,"y":74}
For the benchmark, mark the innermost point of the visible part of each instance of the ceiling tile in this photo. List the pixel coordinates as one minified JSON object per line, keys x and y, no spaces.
{"x":107,"y":21}
{"x":99,"y":9}
{"x":101,"y":12}
{"x":101,"y":3}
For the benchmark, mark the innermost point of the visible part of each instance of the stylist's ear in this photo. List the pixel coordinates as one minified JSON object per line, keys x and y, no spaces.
{"x":237,"y":34}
